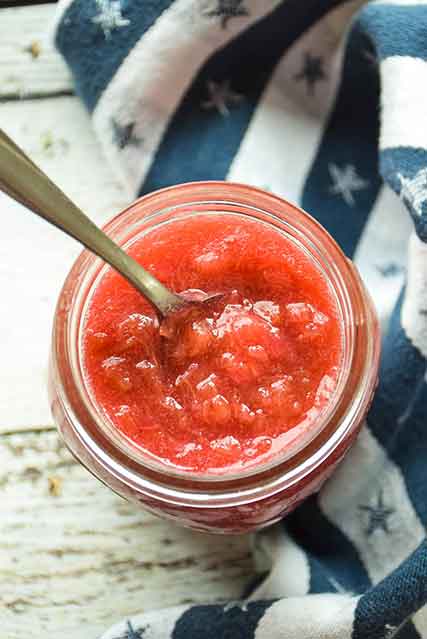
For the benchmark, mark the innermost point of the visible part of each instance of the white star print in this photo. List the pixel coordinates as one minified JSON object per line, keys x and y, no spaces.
{"x":345,"y":181}
{"x":378,"y":515}
{"x":414,"y":191}
{"x":242,"y":605}
{"x":220,"y":97}
{"x":109,"y":16}
{"x":337,"y":585}
{"x":389,"y":630}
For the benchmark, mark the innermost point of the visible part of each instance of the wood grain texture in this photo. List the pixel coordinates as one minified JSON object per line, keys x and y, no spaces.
{"x":22,"y":3}
{"x":29,"y":65}
{"x":76,"y":559}
{"x":57,"y":134}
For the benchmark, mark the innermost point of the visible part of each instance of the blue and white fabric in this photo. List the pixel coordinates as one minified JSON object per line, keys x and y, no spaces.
{"x":325,"y":103}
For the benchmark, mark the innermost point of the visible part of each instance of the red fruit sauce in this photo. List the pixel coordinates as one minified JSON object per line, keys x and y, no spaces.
{"x":224,"y":385}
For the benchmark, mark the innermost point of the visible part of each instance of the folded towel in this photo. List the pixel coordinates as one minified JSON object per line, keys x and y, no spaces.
{"x":325,"y":103}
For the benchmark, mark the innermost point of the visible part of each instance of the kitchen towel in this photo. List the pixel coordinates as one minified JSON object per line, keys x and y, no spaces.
{"x":325,"y":103}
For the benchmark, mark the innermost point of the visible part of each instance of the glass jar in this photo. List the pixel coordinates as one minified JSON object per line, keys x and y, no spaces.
{"x":260,"y":495}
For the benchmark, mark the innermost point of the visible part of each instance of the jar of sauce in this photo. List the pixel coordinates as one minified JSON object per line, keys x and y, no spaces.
{"x":224,"y":416}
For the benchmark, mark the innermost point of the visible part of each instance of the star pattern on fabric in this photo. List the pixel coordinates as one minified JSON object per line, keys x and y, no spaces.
{"x":312,"y":72}
{"x":228,"y":9}
{"x":378,"y":515}
{"x":241,"y":605}
{"x":336,"y":584}
{"x":221,"y":97}
{"x":131,"y":633}
{"x":389,"y":630}
{"x":109,"y":16}
{"x":391,"y":269}
{"x":346,"y":181}
{"x":413,"y":191}
{"x":123,"y":135}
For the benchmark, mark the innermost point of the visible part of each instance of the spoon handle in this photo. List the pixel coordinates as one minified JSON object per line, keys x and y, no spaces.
{"x":25,"y":182}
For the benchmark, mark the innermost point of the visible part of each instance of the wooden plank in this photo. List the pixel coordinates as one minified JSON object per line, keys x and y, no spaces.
{"x":69,"y":569}
{"x":57,"y":134}
{"x":29,"y":64}
{"x":22,"y":3}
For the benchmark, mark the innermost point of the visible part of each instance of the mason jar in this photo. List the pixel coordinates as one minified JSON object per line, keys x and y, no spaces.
{"x":262,"y":494}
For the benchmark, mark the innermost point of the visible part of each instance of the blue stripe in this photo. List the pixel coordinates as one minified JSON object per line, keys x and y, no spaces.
{"x":398,"y":414}
{"x":396,"y":30}
{"x":92,"y":58}
{"x":408,"y":631}
{"x":403,"y":159}
{"x":402,"y":366}
{"x":394,"y":599}
{"x":201,"y":144}
{"x":328,"y":547}
{"x":344,"y":144}
{"x":406,"y":161}
{"x":212,"y":622}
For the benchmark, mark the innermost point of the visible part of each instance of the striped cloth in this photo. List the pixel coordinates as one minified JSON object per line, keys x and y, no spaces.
{"x":325,"y":103}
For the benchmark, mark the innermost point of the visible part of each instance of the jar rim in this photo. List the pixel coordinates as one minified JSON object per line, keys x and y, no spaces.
{"x":114,"y":450}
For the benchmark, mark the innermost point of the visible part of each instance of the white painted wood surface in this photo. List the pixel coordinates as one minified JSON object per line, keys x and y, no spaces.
{"x":72,"y":564}
{"x":56,"y":133}
{"x":74,"y":557}
{"x":29,"y":65}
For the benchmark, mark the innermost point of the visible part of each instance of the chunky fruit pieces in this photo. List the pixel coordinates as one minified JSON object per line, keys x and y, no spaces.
{"x":216,"y":387}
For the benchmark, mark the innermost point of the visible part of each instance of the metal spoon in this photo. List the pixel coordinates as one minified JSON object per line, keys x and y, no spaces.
{"x":25,"y":182}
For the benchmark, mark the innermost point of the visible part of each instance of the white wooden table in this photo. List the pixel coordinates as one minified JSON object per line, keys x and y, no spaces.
{"x":74,"y":557}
